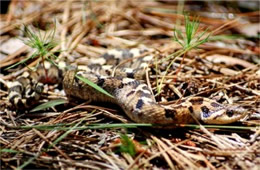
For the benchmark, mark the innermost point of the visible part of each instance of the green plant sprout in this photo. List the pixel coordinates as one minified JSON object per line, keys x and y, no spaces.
{"x":41,"y":43}
{"x":191,"y":39}
{"x":127,"y":145}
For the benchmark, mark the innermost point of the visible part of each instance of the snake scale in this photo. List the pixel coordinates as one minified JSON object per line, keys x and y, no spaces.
{"x":128,"y":90}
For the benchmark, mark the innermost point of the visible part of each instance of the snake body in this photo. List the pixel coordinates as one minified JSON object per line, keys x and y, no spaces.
{"x":130,"y":93}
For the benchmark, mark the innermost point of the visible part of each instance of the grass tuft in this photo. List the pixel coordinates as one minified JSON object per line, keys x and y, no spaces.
{"x":191,"y":40}
{"x":41,"y":43}
{"x":127,"y":145}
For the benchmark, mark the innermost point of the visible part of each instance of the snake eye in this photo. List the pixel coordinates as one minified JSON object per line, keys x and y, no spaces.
{"x":230,"y":113}
{"x":205,"y":111}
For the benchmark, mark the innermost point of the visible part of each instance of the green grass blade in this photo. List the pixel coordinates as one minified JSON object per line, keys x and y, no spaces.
{"x":21,"y":62}
{"x":119,"y":125}
{"x":8,"y":151}
{"x":90,"y":83}
{"x":27,"y":162}
{"x":177,"y":35}
{"x":63,"y":127}
{"x":225,"y":37}
{"x":48,"y":105}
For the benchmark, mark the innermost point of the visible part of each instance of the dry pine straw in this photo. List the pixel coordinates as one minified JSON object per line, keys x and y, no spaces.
{"x":84,"y":29}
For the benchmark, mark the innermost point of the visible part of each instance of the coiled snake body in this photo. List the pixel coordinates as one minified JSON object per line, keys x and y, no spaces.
{"x":131,"y":94}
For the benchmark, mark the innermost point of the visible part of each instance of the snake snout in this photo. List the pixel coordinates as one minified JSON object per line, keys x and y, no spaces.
{"x":236,"y":111}
{"x":226,"y":115}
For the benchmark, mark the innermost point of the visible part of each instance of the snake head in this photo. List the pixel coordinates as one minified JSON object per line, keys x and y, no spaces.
{"x":222,"y":115}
